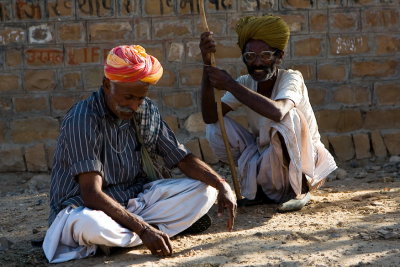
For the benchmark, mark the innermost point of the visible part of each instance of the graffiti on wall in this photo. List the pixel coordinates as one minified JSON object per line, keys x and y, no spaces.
{"x":44,"y":57}
{"x":193,"y":5}
{"x":60,"y":7}
{"x":94,"y":7}
{"x":28,"y":9}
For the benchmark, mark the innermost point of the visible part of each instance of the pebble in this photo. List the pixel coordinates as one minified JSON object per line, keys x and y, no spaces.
{"x":361,"y":175}
{"x":5,"y":244}
{"x":341,"y":174}
{"x":394,"y":159}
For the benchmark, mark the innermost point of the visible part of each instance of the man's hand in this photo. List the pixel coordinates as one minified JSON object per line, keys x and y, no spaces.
{"x":219,"y":79}
{"x":227,"y":200}
{"x":207,"y":46}
{"x":156,"y":241}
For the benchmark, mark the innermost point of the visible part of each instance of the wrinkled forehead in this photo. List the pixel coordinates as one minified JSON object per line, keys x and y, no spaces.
{"x":257,"y":46}
{"x":137,"y":87}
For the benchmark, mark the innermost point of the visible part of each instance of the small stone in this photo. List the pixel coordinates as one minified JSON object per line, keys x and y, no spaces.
{"x":387,"y":179}
{"x":5,"y":244}
{"x":35,"y":231}
{"x":394,"y":159}
{"x":258,"y":234}
{"x":361,"y":175}
{"x":341,"y":174}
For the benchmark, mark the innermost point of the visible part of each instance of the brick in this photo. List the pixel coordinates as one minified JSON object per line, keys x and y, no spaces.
{"x":5,"y":11}
{"x":156,"y":51}
{"x":378,"y":18}
{"x":339,"y":121}
{"x":392,"y":142}
{"x":11,"y":159}
{"x":362,"y":2}
{"x":251,"y":5}
{"x":172,"y":122}
{"x":172,"y":29}
{"x":28,"y":10}
{"x":318,"y":22}
{"x":178,"y":100}
{"x":387,"y":44}
{"x":296,"y":22}
{"x":35,"y":158}
{"x":362,"y":145}
{"x":342,"y":146}
{"x":193,"y":52}
{"x":9,"y":82}
{"x":374,"y":68}
{"x":207,"y":152}
{"x":175,"y":52}
{"x":62,"y":103}
{"x":168,"y":79}
{"x":41,"y":34}
{"x":110,"y":32}
{"x":227,"y":50}
{"x":83,"y":55}
{"x":44,"y":57}
{"x":217,"y":23}
{"x":50,"y":151}
{"x":71,"y":32}
{"x":332,"y":72}
{"x":12,"y":35}
{"x":72,"y":80}
{"x":317,"y":96}
{"x":295,"y":4}
{"x":348,"y":45}
{"x":5,"y":105}
{"x":34,"y":129}
{"x":93,"y":77}
{"x":191,"y":76}
{"x":322,"y":4}
{"x":307,"y":70}
{"x":3,"y":127}
{"x":39,"y":80}
{"x":31,"y":104}
{"x":142,"y":29}
{"x":95,"y":9}
{"x":343,"y":21}
{"x":388,"y":93}
{"x":352,"y":94}
{"x":194,"y":146}
{"x":382,"y":119}
{"x":219,"y":6}
{"x":158,"y":7}
{"x":377,"y":144}
{"x":60,"y":8}
{"x":194,"y":123}
{"x":128,"y":7}
{"x":14,"y":57}
{"x":309,"y":47}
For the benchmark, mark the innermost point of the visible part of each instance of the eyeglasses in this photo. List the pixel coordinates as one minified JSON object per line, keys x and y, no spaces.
{"x":264,"y":56}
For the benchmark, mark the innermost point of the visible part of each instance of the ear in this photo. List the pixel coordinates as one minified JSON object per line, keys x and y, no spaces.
{"x":106,"y":84}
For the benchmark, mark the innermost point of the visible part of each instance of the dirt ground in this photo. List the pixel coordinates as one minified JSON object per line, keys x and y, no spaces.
{"x":353,"y":220}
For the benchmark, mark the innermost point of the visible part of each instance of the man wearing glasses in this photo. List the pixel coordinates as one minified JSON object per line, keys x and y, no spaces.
{"x":280,"y":158}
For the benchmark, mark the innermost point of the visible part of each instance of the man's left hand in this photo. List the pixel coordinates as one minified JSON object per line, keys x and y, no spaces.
{"x":227,"y":200}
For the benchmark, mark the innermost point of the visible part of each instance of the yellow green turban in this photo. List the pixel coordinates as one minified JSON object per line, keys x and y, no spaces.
{"x":130,"y":63}
{"x":271,"y":29}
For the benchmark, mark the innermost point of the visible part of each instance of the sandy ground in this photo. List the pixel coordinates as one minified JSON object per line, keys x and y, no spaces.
{"x":353,"y":220}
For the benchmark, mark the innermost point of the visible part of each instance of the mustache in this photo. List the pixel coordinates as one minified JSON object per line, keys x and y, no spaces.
{"x":265,"y":68}
{"x":124,"y":109}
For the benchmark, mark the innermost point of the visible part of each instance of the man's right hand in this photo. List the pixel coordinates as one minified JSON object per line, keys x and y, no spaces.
{"x":207,"y":46}
{"x":227,"y":200}
{"x":156,"y":241}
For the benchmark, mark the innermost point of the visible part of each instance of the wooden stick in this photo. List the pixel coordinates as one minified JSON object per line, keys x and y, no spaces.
{"x":218,"y":95}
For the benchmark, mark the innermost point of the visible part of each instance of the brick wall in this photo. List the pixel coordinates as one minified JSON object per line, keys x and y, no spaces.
{"x":51,"y":55}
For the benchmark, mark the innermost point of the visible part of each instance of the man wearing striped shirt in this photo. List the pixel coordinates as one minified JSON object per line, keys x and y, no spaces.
{"x":105,"y":191}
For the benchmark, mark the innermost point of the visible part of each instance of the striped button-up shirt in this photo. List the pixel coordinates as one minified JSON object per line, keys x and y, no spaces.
{"x":92,"y":139}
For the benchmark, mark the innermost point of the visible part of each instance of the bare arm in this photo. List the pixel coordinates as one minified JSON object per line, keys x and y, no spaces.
{"x":208,"y":103}
{"x":199,"y":170}
{"x":91,"y":190}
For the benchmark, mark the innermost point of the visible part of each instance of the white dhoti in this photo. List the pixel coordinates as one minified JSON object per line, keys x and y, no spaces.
{"x":265,"y":166}
{"x":171,"y":204}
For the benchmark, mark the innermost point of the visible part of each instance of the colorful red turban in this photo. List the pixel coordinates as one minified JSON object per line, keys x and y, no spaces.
{"x":131,"y":63}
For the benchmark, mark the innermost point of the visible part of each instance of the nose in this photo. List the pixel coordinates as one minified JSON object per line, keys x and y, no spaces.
{"x":258,"y":61}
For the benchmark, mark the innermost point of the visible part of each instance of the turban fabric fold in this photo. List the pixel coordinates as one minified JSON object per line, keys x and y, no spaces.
{"x":271,"y":29}
{"x":131,"y":63}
